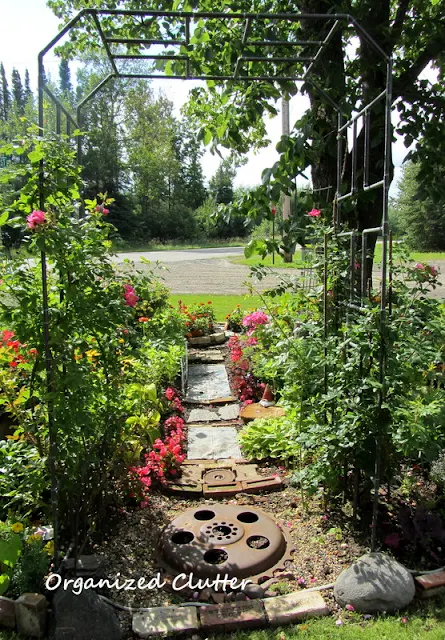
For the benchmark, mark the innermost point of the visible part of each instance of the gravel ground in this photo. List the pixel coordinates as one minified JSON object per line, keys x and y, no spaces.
{"x":222,"y":276}
{"x":323,"y":546}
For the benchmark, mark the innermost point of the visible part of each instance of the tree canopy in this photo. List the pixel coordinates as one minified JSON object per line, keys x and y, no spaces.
{"x":409,"y":30}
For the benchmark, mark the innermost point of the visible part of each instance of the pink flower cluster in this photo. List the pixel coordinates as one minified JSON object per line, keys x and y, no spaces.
{"x":254,"y":319}
{"x":167,"y":454}
{"x":425,"y":272}
{"x":130,"y":296}
{"x":101,"y":209}
{"x":35,"y":219}
{"x":314,"y":213}
{"x":244,"y":383}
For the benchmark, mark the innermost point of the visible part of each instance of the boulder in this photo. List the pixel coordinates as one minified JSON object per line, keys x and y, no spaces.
{"x":82,"y":617}
{"x":375,"y":582}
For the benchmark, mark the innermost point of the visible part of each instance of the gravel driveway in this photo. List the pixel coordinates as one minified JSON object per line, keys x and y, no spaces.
{"x":219,"y":275}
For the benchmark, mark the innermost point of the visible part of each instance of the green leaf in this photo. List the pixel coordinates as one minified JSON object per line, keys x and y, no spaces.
{"x":207,"y":137}
{"x":35,"y":156}
{"x":4,"y":583}
{"x":10,"y":550}
{"x":4,"y":217}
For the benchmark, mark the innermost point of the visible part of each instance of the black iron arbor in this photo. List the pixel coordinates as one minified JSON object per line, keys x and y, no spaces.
{"x":166,"y":41}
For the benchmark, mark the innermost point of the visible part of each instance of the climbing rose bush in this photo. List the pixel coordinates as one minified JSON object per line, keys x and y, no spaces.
{"x":130,"y":296}
{"x":35,"y":219}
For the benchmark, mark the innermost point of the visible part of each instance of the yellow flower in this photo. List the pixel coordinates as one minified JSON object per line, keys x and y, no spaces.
{"x":12,"y":437}
{"x":93,"y":353}
{"x":49,"y":548}
{"x":35,"y":537}
{"x":17,"y":527}
{"x":121,"y":341}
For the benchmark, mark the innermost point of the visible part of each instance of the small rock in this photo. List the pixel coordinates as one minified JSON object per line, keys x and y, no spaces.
{"x":86,"y":615}
{"x":254,"y":591}
{"x":31,"y":612}
{"x":7,"y":613}
{"x":240,"y":597}
{"x":375,"y":582}
{"x":218,"y":597}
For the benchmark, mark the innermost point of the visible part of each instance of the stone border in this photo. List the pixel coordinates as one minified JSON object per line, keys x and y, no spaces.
{"x":275,"y":611}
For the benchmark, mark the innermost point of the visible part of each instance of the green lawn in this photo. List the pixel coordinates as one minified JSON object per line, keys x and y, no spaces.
{"x":221,"y":304}
{"x":297,"y":263}
{"x":268,"y":261}
{"x":421,"y":620}
{"x":123,"y":247}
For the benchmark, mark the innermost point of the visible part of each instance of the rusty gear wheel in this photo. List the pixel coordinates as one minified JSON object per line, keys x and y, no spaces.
{"x":225,"y":539}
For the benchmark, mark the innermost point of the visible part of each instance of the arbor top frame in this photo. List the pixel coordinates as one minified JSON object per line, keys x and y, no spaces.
{"x":183,"y":22}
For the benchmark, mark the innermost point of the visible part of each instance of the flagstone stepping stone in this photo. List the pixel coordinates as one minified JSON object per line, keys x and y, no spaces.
{"x":253,"y":411}
{"x":229,"y":412}
{"x":207,"y":443}
{"x":203,"y":341}
{"x":206,"y":357}
{"x":206,"y":383}
{"x":224,"y":413}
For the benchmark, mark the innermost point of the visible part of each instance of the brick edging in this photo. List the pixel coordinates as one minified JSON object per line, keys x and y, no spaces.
{"x":275,"y":611}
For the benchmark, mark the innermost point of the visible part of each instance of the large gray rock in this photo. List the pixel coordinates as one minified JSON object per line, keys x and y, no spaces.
{"x":375,"y":582}
{"x":82,"y":617}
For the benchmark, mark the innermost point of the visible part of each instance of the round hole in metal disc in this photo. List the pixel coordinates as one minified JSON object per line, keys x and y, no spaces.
{"x":257,"y":542}
{"x":204,"y":514}
{"x":247,"y":516}
{"x":182,"y":537}
{"x":222,"y":530}
{"x":215,"y":556}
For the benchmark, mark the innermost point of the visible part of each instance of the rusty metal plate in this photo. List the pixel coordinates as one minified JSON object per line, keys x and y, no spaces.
{"x":222,"y":539}
{"x":218,"y":476}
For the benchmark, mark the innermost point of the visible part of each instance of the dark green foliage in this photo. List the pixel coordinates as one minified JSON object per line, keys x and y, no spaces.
{"x":18,"y":93}
{"x":420,"y":217}
{"x":5,"y":96}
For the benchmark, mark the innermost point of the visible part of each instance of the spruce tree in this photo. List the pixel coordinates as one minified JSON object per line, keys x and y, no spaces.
{"x":65,"y":85}
{"x":18,"y":93}
{"x":28,"y":90}
{"x":5,"y":102}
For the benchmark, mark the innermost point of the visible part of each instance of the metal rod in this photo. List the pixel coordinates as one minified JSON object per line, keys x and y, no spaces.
{"x":374,"y":185}
{"x":69,"y":25}
{"x":58,"y":120}
{"x":322,"y":92}
{"x":94,"y":91}
{"x":144,"y":41}
{"x":365,"y":233}
{"x":354,"y":158}
{"x":275,"y":59}
{"x":322,"y":47}
{"x":104,"y":42}
{"x":291,"y":17}
{"x":187,"y":42}
{"x":246,"y":31}
{"x":59,"y":104}
{"x":366,"y":124}
{"x":339,"y":163}
{"x":390,"y":274}
{"x":143,"y":56}
{"x":52,"y":429}
{"x":325,"y":313}
{"x":370,"y":40}
{"x":282,"y":43}
{"x":364,"y":109}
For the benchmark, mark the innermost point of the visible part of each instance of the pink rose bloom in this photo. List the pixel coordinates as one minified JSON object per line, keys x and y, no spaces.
{"x":419,"y":265}
{"x":314,"y":213}
{"x":130,"y":296}
{"x":433,"y":271}
{"x":35,"y":219}
{"x":170,"y":393}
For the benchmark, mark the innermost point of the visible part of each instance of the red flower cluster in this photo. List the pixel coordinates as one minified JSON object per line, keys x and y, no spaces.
{"x":11,"y":349}
{"x":167,"y":455}
{"x":244,"y":383}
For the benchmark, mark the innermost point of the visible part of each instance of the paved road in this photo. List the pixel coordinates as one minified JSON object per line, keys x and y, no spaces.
{"x":209,"y":271}
{"x":185,"y":255}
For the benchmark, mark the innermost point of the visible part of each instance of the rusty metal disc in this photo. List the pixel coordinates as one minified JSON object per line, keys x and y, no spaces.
{"x":221,"y":539}
{"x":218,"y":476}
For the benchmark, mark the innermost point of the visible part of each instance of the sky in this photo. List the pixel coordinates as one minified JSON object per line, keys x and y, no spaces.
{"x":27,"y":26}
